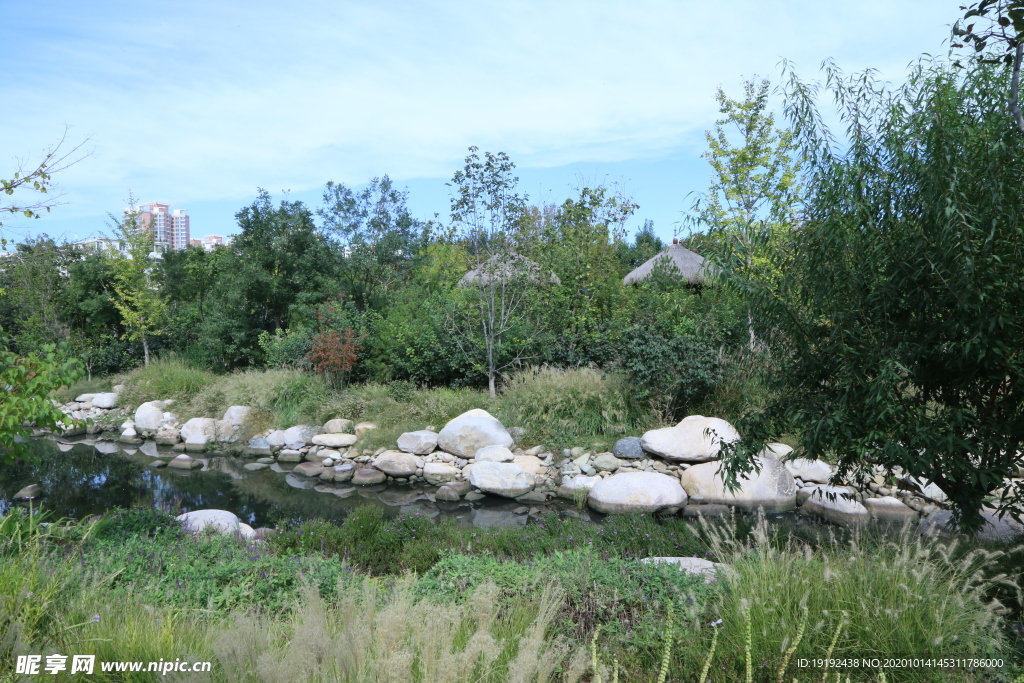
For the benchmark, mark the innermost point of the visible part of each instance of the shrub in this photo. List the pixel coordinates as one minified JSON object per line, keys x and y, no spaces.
{"x":564,"y":406}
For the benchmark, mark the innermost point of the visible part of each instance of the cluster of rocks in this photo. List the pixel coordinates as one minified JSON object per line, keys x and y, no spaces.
{"x":91,"y":409}
{"x":666,"y":470}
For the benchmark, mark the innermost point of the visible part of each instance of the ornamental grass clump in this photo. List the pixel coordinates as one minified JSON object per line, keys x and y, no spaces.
{"x":373,"y":633}
{"x":902,"y":595}
{"x":563,"y":406}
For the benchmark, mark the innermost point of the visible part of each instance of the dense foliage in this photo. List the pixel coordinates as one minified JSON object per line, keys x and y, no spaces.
{"x":895,"y":323}
{"x":359,"y":290}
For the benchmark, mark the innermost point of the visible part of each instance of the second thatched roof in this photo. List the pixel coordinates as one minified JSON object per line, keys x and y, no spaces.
{"x":690,"y":266}
{"x":507,"y":267}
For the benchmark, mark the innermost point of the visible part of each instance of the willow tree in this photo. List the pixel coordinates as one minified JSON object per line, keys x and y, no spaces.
{"x":897,"y":314}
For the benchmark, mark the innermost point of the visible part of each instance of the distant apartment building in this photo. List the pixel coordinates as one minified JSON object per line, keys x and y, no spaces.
{"x":211,"y":242}
{"x":171,"y":229}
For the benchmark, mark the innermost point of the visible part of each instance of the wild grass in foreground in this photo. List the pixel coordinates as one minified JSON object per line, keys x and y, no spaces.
{"x":567,"y":616}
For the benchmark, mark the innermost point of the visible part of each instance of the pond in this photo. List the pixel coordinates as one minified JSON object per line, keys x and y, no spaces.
{"x":89,"y":477}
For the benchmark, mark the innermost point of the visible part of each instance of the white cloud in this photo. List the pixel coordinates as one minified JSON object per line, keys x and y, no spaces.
{"x":197,"y":101}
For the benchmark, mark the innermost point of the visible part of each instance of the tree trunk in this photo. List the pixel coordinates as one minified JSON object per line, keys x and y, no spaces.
{"x":1015,"y":89}
{"x":145,"y":349}
{"x":490,"y":383}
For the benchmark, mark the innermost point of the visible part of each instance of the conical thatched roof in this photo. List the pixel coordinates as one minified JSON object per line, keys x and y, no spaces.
{"x":691,"y":266}
{"x":502,"y":266}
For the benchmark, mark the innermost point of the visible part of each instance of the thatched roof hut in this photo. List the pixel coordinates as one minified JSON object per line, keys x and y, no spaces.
{"x":690,"y":266}
{"x":506,"y":266}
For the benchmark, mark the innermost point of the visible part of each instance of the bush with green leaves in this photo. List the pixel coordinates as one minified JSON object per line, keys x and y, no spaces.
{"x":895,"y":322}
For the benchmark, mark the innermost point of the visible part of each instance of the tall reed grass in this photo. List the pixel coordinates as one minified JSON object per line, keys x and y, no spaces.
{"x":565,"y":407}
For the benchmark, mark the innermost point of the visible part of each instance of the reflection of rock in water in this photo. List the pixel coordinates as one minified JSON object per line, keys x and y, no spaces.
{"x":65,"y":447}
{"x":107,"y":447}
{"x":298,"y":482}
{"x":344,"y":491}
{"x":150,"y":449}
{"x":398,"y":497}
{"x":370,"y":492}
{"x":129,"y":451}
{"x":276,"y":468}
{"x":489,"y":517}
{"x":422,"y":507}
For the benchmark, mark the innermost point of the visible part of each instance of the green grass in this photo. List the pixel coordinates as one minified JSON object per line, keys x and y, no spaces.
{"x":569,"y":407}
{"x":497,"y":605}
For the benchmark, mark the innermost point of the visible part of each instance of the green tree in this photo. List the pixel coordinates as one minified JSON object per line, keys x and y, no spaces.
{"x":137,"y":295}
{"x":488,"y":213}
{"x":27,"y":381}
{"x":749,"y":208}
{"x":376,"y":235}
{"x":896,"y":318}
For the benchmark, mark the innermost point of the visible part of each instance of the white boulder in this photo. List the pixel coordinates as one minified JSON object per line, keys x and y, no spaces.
{"x":224,"y":522}
{"x":687,"y":442}
{"x":501,"y":478}
{"x":570,"y":485}
{"x":439,"y":473}
{"x":471,"y":431}
{"x":494,"y":454}
{"x":772,"y":488}
{"x":636,"y":492}
{"x":836,"y":504}
{"x":300,"y":435}
{"x":199,"y":431}
{"x":106,"y":400}
{"x":275,"y":439}
{"x":337,"y":426}
{"x":531,"y":464}
{"x":148,"y":415}
{"x":235,"y":415}
{"x":335,"y":440}
{"x":397,"y":463}
{"x":691,"y":565}
{"x":810,"y":470}
{"x":420,"y":442}
{"x":889,"y":508}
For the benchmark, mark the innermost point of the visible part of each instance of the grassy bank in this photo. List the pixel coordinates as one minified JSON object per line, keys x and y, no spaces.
{"x":554,"y":406}
{"x":411,"y":599}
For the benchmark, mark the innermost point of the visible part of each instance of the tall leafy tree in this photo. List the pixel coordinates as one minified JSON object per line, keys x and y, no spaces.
{"x":137,"y":294}
{"x":754,"y":191}
{"x":897,"y":315}
{"x":487,"y":213}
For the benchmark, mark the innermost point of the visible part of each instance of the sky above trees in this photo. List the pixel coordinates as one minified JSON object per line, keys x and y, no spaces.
{"x":198,"y":104}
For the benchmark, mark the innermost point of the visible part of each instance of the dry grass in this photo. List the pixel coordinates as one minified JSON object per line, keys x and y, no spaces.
{"x":373,"y":634}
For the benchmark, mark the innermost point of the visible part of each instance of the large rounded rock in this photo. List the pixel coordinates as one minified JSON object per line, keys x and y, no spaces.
{"x":810,"y":470}
{"x":275,"y":439}
{"x":773,"y":488}
{"x":184,"y":462}
{"x":438,"y":473}
{"x":198,"y":432}
{"x":335,"y":440}
{"x":494,"y":454}
{"x":636,"y":492}
{"x":368,"y":476}
{"x":223,"y":522}
{"x":628,"y":448}
{"x":889,"y":508}
{"x":471,"y":431}
{"x":337,"y":426}
{"x":531,"y":464}
{"x":106,"y":400}
{"x":687,"y":442}
{"x":836,"y":505}
{"x":606,"y":462}
{"x":309,"y":469}
{"x":148,"y":415}
{"x":236,"y":415}
{"x":571,"y":485}
{"x":397,"y":463}
{"x":420,"y":442}
{"x":299,"y":436}
{"x":501,"y":478}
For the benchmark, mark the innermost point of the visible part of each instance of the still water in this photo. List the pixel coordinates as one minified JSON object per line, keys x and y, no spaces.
{"x":89,"y":477}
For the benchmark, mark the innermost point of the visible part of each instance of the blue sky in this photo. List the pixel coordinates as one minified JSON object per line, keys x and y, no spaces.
{"x":197,"y":104}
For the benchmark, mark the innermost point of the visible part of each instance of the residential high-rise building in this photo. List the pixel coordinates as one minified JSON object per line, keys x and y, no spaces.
{"x":171,"y":229}
{"x":211,"y":242}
